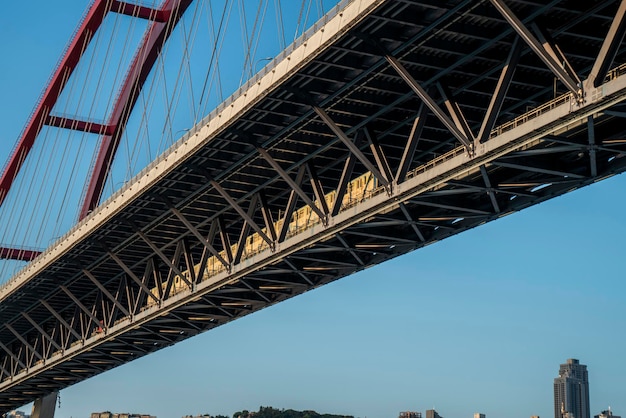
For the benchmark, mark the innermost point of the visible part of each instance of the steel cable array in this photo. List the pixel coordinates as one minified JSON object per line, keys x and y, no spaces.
{"x":193,"y":73}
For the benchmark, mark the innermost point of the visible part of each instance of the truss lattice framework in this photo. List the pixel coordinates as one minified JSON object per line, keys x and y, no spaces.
{"x":163,"y":21}
{"x":381,"y":142}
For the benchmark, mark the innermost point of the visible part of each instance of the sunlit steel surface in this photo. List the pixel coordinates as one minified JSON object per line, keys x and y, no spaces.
{"x":392,"y":125}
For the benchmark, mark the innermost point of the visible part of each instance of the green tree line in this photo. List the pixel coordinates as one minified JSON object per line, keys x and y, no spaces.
{"x":270,"y":412}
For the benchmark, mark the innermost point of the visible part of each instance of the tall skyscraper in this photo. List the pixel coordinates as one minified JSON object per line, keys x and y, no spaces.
{"x":571,"y":391}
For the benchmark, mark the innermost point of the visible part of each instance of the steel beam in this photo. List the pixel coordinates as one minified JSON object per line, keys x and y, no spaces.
{"x":428,"y":101}
{"x":409,"y":149}
{"x":502,"y":87}
{"x":370,"y":234}
{"x":18,"y":254}
{"x":292,"y":184}
{"x":82,"y":307}
{"x":41,"y":331}
{"x":61,"y":320}
{"x":204,"y":258}
{"x":455,"y":112}
{"x":27,"y":345}
{"x":534,"y":44}
{"x":591,"y":136}
{"x":318,"y":189}
{"x":157,"y":251}
{"x":609,"y":49}
{"x":245,"y":231}
{"x":551,"y":47}
{"x":353,"y":253}
{"x":379,"y":155}
{"x":412,"y":222}
{"x":199,"y":236}
{"x":16,"y":360}
{"x":132,"y":275}
{"x":224,"y":238}
{"x":4,"y":372}
{"x":291,"y":205}
{"x":344,"y":179}
{"x":298,"y":272}
{"x":267,"y":216}
{"x":137,"y":10}
{"x":490,"y":191}
{"x":189,"y":262}
{"x":349,"y":144}
{"x":78,"y":125}
{"x":462,"y":211}
{"x":525,"y":167}
{"x":247,"y":217}
{"x":104,"y":290}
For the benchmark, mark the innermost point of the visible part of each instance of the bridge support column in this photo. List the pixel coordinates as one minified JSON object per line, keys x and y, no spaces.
{"x":44,"y":407}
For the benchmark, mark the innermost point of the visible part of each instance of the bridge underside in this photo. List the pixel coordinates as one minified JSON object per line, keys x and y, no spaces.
{"x":408,"y":123}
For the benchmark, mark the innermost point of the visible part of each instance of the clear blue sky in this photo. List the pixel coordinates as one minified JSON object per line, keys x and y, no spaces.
{"x":477,"y":323}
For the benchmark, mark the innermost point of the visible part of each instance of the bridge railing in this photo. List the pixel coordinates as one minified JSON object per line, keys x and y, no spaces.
{"x":436,"y":161}
{"x":558,"y":101}
{"x":499,"y":130}
{"x":615,"y":72}
{"x":532,"y":114}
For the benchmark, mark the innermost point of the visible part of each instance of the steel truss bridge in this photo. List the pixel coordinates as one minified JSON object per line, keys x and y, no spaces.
{"x":389,"y":126}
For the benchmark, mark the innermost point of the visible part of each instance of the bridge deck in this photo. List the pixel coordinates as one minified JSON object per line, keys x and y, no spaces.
{"x":232,"y":218}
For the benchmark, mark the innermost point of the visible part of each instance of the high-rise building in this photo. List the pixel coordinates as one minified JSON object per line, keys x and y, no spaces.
{"x":410,"y":414}
{"x":571,"y":391}
{"x":478,"y":415}
{"x":606,"y":414}
{"x":431,"y":413}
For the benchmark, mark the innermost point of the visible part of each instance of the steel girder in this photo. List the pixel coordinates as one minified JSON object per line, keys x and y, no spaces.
{"x":218,"y":237}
